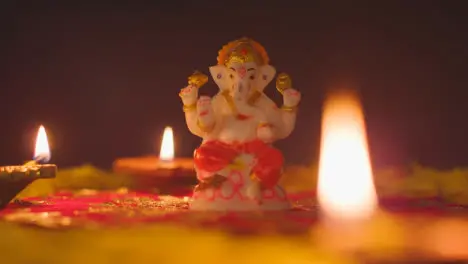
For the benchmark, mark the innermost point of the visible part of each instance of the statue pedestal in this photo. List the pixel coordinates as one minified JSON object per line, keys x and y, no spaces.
{"x":238,"y":191}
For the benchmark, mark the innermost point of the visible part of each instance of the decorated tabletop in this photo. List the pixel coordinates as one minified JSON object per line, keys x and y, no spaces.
{"x":89,"y":208}
{"x":99,"y":212}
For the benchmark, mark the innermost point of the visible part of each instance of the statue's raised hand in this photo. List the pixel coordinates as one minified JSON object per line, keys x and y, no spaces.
{"x":189,"y":95}
{"x":291,"y":97}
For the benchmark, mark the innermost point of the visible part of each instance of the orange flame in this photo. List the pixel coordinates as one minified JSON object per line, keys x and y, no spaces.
{"x":345,"y":184}
{"x":42,"y":151}
{"x":167,"y":145}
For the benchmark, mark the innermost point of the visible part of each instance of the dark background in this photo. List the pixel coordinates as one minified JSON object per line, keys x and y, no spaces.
{"x":104,"y":78}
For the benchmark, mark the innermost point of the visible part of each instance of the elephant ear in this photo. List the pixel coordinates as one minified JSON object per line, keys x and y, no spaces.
{"x":266,"y":74}
{"x":220,"y":76}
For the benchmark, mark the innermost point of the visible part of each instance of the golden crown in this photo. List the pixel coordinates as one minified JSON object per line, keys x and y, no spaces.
{"x":243,"y":50}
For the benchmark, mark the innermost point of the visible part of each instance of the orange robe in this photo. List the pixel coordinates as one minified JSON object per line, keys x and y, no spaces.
{"x":213,"y":156}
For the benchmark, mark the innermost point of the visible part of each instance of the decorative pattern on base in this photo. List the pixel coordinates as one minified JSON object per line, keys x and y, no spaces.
{"x":234,"y":189}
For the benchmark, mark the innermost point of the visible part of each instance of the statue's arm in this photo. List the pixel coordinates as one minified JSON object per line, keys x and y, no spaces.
{"x":280,"y":121}
{"x":288,"y":118}
{"x":281,"y":125}
{"x":189,"y":96}
{"x":191,"y":121}
{"x":205,"y":120}
{"x":288,"y":112}
{"x":198,"y":113}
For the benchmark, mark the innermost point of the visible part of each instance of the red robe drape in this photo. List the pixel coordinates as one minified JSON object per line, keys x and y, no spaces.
{"x":213,"y":156}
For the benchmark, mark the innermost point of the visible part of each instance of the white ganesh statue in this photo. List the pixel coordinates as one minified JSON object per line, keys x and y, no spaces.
{"x":236,"y":165}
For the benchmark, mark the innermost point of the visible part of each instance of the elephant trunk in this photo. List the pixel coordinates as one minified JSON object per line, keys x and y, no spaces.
{"x":240,"y":91}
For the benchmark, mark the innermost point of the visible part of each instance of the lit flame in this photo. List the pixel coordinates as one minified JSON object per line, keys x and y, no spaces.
{"x":167,"y":145}
{"x":345,"y":185}
{"x":42,"y":151}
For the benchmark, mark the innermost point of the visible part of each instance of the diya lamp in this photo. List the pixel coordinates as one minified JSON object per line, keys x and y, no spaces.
{"x":161,"y":171}
{"x":351,"y":222}
{"x":13,"y":179}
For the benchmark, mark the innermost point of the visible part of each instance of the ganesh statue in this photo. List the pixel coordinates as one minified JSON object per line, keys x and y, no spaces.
{"x":237,"y":167}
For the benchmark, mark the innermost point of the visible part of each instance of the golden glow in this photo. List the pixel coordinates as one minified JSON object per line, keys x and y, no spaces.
{"x":283,"y":82}
{"x":243,"y":50}
{"x":197,"y":79}
{"x":42,"y":151}
{"x":167,"y":145}
{"x":345,"y":184}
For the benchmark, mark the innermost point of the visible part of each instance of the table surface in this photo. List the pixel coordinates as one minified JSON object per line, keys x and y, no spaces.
{"x":113,"y":212}
{"x":122,"y":207}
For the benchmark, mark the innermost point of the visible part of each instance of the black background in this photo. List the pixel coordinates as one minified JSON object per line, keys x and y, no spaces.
{"x":104,"y":78}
